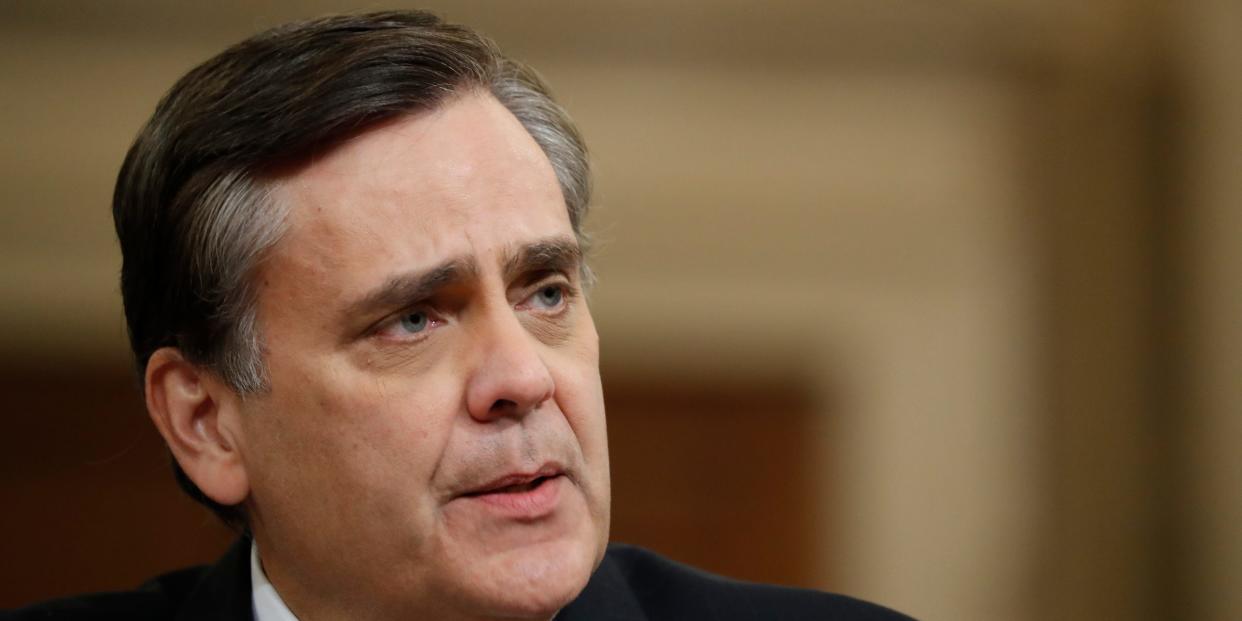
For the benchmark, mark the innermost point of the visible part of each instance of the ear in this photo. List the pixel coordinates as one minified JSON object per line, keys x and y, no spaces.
{"x":198,"y":415}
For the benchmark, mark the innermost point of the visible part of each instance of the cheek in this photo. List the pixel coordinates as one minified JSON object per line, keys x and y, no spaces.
{"x":581,"y":399}
{"x":578,"y":371}
{"x":349,"y":434}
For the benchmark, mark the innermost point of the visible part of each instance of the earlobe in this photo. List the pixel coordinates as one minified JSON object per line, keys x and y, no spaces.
{"x":197,"y":414}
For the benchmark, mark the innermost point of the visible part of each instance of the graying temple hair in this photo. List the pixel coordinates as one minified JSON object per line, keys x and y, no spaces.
{"x":194,"y":208}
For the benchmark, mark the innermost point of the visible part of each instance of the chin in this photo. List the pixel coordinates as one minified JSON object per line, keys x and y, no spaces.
{"x":534,"y":582}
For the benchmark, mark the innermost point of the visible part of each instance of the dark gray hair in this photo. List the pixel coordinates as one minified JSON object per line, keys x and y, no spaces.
{"x":192,"y":205}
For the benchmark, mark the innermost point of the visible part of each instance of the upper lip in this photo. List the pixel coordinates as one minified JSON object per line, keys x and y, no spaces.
{"x":516,"y":478}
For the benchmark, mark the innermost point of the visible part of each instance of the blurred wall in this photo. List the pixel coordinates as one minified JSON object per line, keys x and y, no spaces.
{"x":988,"y":247}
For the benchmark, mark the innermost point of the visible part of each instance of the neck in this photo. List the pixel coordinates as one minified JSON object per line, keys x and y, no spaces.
{"x":285,"y":593}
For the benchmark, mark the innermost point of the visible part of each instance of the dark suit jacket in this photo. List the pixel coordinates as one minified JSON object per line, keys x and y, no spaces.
{"x":631,"y":584}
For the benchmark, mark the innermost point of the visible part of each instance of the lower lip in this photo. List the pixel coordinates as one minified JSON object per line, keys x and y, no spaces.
{"x":528,"y":505}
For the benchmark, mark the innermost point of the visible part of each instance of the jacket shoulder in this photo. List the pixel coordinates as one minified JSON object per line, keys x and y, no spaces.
{"x":158,"y":598}
{"x":221,"y":591}
{"x":666,"y":589}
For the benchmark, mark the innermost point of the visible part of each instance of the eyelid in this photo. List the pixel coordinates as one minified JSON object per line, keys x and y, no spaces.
{"x":534,"y":284}
{"x":434,"y":320}
{"x":569,"y":290}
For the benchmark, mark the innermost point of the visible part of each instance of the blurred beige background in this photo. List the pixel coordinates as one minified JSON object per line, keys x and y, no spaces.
{"x":935,"y":304}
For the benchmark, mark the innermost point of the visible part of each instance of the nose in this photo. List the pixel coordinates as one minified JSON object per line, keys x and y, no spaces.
{"x":510,"y":378}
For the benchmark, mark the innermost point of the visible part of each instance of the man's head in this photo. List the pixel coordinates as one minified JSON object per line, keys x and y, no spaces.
{"x":353,"y":281}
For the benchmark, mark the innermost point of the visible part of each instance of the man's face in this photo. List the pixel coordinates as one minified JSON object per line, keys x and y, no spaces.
{"x":433,"y":442}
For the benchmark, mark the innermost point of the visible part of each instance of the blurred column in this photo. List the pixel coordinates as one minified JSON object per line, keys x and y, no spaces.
{"x":1212,"y":61}
{"x":1101,"y":181}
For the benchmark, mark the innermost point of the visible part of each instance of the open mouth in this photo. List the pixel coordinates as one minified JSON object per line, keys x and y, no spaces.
{"x":524,"y":497}
{"x":513,"y":488}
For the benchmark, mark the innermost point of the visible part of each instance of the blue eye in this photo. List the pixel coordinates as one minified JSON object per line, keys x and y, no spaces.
{"x":414,"y":322}
{"x":550,"y":296}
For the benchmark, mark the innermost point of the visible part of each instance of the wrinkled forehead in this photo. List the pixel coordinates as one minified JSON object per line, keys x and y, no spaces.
{"x":462,"y":180}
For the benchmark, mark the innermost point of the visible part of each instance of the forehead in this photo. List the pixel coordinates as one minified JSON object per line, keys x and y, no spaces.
{"x":464,"y":179}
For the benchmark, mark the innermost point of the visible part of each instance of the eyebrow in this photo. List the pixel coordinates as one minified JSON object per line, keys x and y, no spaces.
{"x":540,"y":257}
{"x":411,"y":287}
{"x":548,"y":255}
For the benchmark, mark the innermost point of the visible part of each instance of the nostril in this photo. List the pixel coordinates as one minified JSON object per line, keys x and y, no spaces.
{"x":503,"y":404}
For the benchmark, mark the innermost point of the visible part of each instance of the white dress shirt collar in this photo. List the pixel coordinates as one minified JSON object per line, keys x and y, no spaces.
{"x":267,"y":603}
